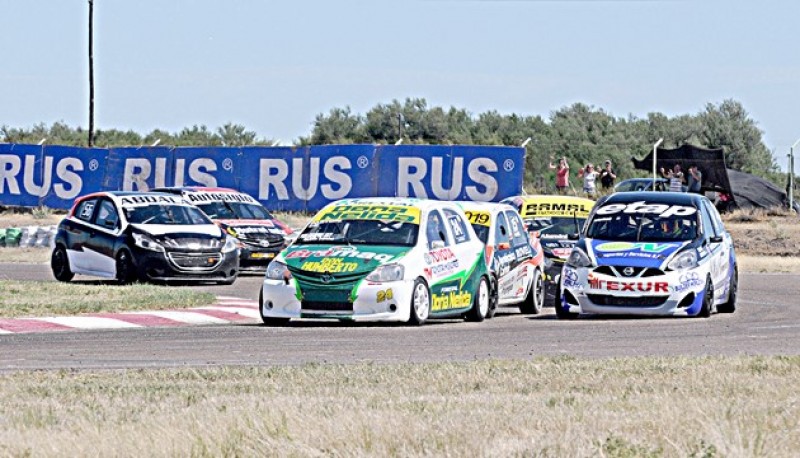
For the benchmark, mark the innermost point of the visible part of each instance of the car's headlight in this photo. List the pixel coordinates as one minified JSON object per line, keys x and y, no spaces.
{"x":684,"y":260}
{"x":578,"y":258}
{"x":277,"y":270}
{"x":387,"y":272}
{"x":143,"y":241}
{"x":230,"y":245}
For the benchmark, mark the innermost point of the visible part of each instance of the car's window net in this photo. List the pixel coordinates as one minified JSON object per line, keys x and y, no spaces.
{"x":362,"y":232}
{"x":643,"y":227}
{"x":165,"y":214}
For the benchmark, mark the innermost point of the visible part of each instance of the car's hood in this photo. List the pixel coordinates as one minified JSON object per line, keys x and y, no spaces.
{"x":211,"y":230}
{"x":634,"y":254}
{"x":341,"y":259}
{"x":270,"y":226}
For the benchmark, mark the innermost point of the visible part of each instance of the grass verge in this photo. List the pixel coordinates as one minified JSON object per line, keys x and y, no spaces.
{"x":741,"y":406}
{"x":38,"y":298}
{"x":768,"y":264}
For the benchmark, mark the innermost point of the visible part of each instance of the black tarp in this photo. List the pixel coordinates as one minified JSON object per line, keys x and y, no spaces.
{"x":750,"y":191}
{"x":710,"y":162}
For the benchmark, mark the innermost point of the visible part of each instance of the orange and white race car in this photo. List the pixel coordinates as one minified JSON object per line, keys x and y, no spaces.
{"x":515,"y":260}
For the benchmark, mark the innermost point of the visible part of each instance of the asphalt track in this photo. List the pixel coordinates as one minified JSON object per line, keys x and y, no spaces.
{"x":767,"y":322}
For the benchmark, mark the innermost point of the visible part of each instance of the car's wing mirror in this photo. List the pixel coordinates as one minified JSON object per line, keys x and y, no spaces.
{"x":109,"y":223}
{"x":503,"y":246}
{"x":573,"y":236}
{"x":716,"y":239}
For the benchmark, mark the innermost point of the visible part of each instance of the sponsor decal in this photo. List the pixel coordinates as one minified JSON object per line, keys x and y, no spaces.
{"x":445,"y":268}
{"x":205,"y":196}
{"x":644,"y":208}
{"x":688,"y":280}
{"x":562,"y":252}
{"x":440,"y":255}
{"x":550,"y":209}
{"x":385,"y":295}
{"x":647,"y":247}
{"x":370,"y":212}
{"x":628,"y":286}
{"x":144,"y":200}
{"x":451,"y":300}
{"x":523,"y":251}
{"x":570,"y":279}
{"x":329,"y":265}
{"x":479,"y":217}
{"x":339,"y":252}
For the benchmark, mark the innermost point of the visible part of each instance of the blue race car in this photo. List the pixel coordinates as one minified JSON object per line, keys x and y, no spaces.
{"x":651,"y":253}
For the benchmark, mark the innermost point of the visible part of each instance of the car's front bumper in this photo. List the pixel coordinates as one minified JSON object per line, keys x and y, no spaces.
{"x":389,"y":301}
{"x":254,"y":259}
{"x":670,"y":294}
{"x":180,"y":266}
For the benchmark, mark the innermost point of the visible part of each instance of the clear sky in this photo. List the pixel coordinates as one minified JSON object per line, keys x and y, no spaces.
{"x":272,"y":66}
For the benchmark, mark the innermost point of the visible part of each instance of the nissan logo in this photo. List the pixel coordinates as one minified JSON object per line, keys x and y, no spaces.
{"x":628,"y":271}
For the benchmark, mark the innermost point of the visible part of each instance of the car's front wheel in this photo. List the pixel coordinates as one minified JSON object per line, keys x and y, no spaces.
{"x":708,"y":300}
{"x":562,"y":313}
{"x":535,"y":299}
{"x":126,"y":273}
{"x":730,"y":305}
{"x":420,"y":303}
{"x":481,"y":302}
{"x":59,"y":263}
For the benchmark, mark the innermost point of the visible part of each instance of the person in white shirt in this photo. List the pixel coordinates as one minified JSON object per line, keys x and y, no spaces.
{"x":675,"y":177}
{"x":589,"y":179}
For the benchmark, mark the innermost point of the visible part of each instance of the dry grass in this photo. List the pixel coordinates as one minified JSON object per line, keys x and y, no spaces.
{"x":36,"y":298}
{"x":31,"y":217}
{"x":746,"y":406}
{"x":25,"y":255}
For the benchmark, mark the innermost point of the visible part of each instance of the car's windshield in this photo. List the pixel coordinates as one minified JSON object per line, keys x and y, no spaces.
{"x":555,"y":226}
{"x":634,"y":185}
{"x":482,"y":232}
{"x":234,"y":210}
{"x":165,"y":214}
{"x":645,"y":227}
{"x":363,"y":232}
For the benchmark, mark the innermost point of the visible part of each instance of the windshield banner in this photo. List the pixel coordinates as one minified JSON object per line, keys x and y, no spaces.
{"x":281,"y":178}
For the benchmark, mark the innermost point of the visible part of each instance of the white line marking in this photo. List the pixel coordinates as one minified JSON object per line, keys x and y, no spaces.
{"x":89,"y":322}
{"x":230,"y":298}
{"x":187,"y":317}
{"x":3,"y":331}
{"x":242,"y":303}
{"x":248,"y":312}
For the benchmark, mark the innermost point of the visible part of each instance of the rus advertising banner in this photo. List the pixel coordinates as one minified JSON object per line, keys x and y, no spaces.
{"x":282,"y":178}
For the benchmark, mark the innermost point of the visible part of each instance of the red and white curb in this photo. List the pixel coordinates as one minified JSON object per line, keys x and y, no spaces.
{"x":226,"y":310}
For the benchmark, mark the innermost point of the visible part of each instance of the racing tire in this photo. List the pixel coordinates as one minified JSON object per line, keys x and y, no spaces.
{"x":125,"y":271}
{"x":59,"y":264}
{"x":562,"y":314}
{"x":708,"y":300}
{"x":535,"y":299}
{"x":229,"y":281}
{"x":730,"y":305}
{"x":494,"y":298}
{"x":481,"y":303}
{"x":268,"y":320}
{"x":420,"y":303}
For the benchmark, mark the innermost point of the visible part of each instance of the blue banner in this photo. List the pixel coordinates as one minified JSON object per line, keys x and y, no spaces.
{"x":282,"y":178}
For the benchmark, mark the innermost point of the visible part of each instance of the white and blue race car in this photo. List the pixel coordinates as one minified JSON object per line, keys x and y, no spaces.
{"x":647,"y":253}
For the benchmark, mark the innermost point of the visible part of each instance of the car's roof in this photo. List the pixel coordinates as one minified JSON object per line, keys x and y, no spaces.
{"x":552,"y":198}
{"x":484,"y":206}
{"x":422,"y":204}
{"x":193,"y":189}
{"x":670,"y":198}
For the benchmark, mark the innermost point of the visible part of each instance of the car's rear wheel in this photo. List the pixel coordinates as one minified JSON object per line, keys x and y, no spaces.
{"x":126,"y":272}
{"x":493,"y":297}
{"x":708,"y":300}
{"x":420,"y":303}
{"x":59,"y":263}
{"x":481,"y":302}
{"x":535,"y":299}
{"x":730,"y":305}
{"x":268,"y":320}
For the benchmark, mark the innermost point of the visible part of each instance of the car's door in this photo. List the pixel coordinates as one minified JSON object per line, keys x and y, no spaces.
{"x":504,"y":258}
{"x":521,"y":271}
{"x":722,"y":264}
{"x":715,"y":244}
{"x":77,"y":233}
{"x":103,"y":232}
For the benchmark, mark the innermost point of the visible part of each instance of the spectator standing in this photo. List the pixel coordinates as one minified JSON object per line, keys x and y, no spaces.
{"x":695,"y":180}
{"x":675,"y":177}
{"x":607,"y":176}
{"x":562,"y":175}
{"x":589,"y":176}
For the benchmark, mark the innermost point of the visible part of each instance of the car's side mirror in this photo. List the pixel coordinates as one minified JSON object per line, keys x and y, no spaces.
{"x":436,"y":244}
{"x":503,"y":246}
{"x":573,"y":236}
{"x":715,"y":239}
{"x":110,"y":223}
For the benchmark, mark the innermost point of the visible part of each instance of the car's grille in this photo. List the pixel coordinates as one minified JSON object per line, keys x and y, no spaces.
{"x":627,"y":301}
{"x":195,"y":261}
{"x":326,"y":306}
{"x":262,"y":240}
{"x":324,"y":280}
{"x":619,"y":271}
{"x":192,"y":243}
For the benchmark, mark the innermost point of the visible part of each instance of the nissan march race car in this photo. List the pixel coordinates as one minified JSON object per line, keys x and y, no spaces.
{"x":651,"y":253}
{"x":515,"y":261}
{"x":380,"y":259}
{"x":259,"y":235}
{"x":148,"y":236}
{"x":556,"y":221}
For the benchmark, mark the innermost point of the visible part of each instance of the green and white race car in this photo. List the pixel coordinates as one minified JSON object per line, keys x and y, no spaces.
{"x":380,"y":259}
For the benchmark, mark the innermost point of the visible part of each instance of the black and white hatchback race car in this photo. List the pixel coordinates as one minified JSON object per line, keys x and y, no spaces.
{"x":651,"y":253}
{"x":147,"y":236}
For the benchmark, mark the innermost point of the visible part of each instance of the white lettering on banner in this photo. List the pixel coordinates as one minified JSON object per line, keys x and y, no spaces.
{"x":47,"y":171}
{"x":266,"y":179}
{"x":179,"y":165}
{"x":69,"y":177}
{"x":484,"y":179}
{"x":137,"y":171}
{"x":437,"y":171}
{"x":342,"y":179}
{"x":8,"y":175}
{"x":297,"y":178}
{"x":197,"y":170}
{"x":161,"y":171}
{"x":406,"y":178}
